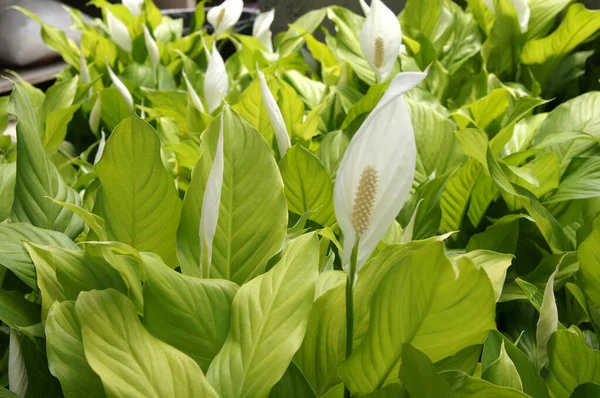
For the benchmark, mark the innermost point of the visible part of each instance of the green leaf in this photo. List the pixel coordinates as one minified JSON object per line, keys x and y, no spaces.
{"x":292,"y":384}
{"x":547,"y":323}
{"x":465,"y":386}
{"x":572,"y":363}
{"x":294,"y":38}
{"x":324,"y":346}
{"x":543,"y":13}
{"x":586,"y":390}
{"x":533,"y":384}
{"x":502,"y":236}
{"x":66,"y":357}
{"x":502,"y":372}
{"x":589,"y":264}
{"x":13,"y":254}
{"x":332,"y":149}
{"x":578,"y":115}
{"x":422,"y":15}
{"x":56,"y":127}
{"x":16,"y":311}
{"x":545,"y":54}
{"x":311,"y":91}
{"x":494,"y":264}
{"x":268,"y":322}
{"x":129,"y":361}
{"x":307,"y":185}
{"x":113,"y":108}
{"x":199,"y":325}
{"x":37,"y":177}
{"x":581,"y":180}
{"x":419,"y":376}
{"x":456,"y":196}
{"x":138,"y":200}
{"x":251,"y":108}
{"x":291,"y":106}
{"x":8,"y":179}
{"x":365,"y":105}
{"x":253,"y":213}
{"x":425,"y":312}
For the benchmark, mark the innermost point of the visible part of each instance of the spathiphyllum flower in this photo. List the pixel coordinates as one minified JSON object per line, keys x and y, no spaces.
{"x":377,"y":171}
{"x":225,"y":16}
{"x":121,"y":88}
{"x":210,"y":205}
{"x":275,"y":116}
{"x":216,"y":81}
{"x":262,"y":28}
{"x":152,"y":47}
{"x":521,"y":8}
{"x":196,"y":101}
{"x":135,"y":7}
{"x":365,"y":7}
{"x":380,"y":39}
{"x":118,"y":31}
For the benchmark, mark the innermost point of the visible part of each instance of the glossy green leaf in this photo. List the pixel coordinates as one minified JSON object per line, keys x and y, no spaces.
{"x":138,"y":200}
{"x":503,"y":372}
{"x":8,"y":179}
{"x":465,"y":386}
{"x":419,"y":376}
{"x":268,"y":321}
{"x":129,"y":360}
{"x":589,"y":264}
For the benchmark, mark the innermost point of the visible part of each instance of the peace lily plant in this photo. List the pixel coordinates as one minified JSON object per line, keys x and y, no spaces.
{"x":363,"y":205}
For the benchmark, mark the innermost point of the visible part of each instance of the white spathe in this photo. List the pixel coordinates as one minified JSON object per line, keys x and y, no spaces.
{"x":275,"y":116}
{"x":118,"y":32}
{"x":210,"y":205}
{"x":152,"y":47}
{"x":216,"y":81}
{"x":225,"y":16}
{"x":521,"y":8}
{"x":385,"y":142}
{"x":196,"y":101}
{"x":262,"y":28}
{"x":135,"y":7}
{"x":381,"y":39}
{"x":365,"y":7}
{"x":121,"y":88}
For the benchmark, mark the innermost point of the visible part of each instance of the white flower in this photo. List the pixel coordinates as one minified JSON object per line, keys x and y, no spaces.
{"x":365,"y":7}
{"x":152,"y":47}
{"x":216,"y":81}
{"x":521,"y":8}
{"x":381,"y":39}
{"x":196,"y":101}
{"x":121,"y":88}
{"x":377,"y":171}
{"x":262,"y":28}
{"x":275,"y":116}
{"x":135,"y":7}
{"x":94,"y":120}
{"x":118,"y":31}
{"x":101,"y":145}
{"x":211,"y":203}
{"x":84,"y":72}
{"x":225,"y":16}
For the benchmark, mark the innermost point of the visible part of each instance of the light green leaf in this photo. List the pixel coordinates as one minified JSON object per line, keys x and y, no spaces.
{"x":138,"y":200}
{"x":545,"y":54}
{"x":311,"y":91}
{"x":502,"y":236}
{"x":251,"y":108}
{"x":589,"y":264}
{"x":571,"y":361}
{"x":547,"y":323}
{"x":502,"y":372}
{"x":129,"y":361}
{"x":66,"y":358}
{"x":324,"y":345}
{"x":37,"y":177}
{"x":253,"y":213}
{"x":434,"y":319}
{"x":293,"y":384}
{"x":268,"y":322}
{"x":291,"y":106}
{"x":14,"y":256}
{"x":199,"y":325}
{"x":578,"y":115}
{"x":494,"y":264}
{"x":502,"y":49}
{"x":581,"y":180}
{"x":332,"y":149}
{"x":419,"y":376}
{"x":56,"y":127}
{"x":456,"y":196}
{"x":422,"y":15}
{"x":543,"y":13}
{"x":294,"y":39}
{"x":465,"y":386}
{"x":16,"y":311}
{"x":113,"y":108}
{"x":8,"y":179}
{"x":366,"y":104}
{"x":307,"y":185}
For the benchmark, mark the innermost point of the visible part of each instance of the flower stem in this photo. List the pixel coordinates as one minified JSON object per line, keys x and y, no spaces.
{"x":350,"y":306}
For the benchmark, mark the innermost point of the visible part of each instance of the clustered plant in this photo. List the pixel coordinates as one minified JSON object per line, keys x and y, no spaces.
{"x":405,"y":206}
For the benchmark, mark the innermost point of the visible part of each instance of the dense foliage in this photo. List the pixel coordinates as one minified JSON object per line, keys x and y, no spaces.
{"x":178,"y":212}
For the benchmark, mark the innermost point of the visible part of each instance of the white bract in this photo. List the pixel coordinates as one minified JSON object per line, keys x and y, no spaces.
{"x":135,"y":7}
{"x":121,"y":88}
{"x":262,"y":28}
{"x":381,"y":39}
{"x":210,"y":205}
{"x":365,"y":7}
{"x":196,"y":101}
{"x":225,"y":16}
{"x":275,"y":116}
{"x":216,"y":81}
{"x":521,"y":8}
{"x":118,"y":32}
{"x":377,"y":171}
{"x":152,"y":47}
